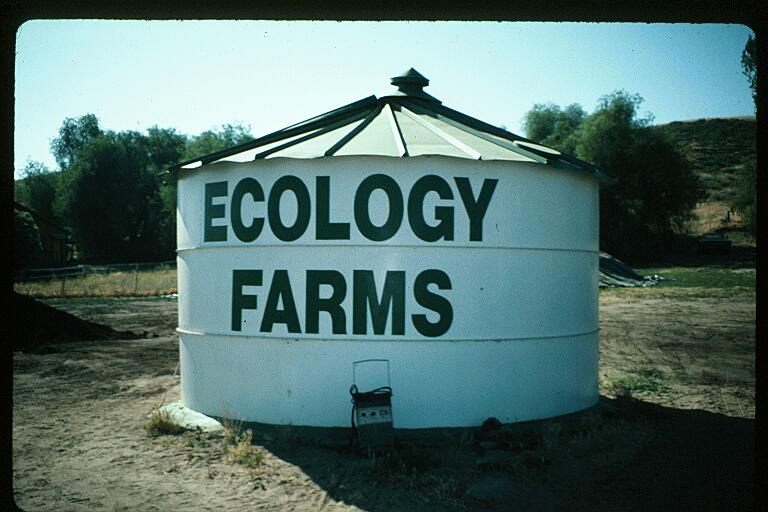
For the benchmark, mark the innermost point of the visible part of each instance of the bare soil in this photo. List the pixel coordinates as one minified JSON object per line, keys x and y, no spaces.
{"x":674,"y":429}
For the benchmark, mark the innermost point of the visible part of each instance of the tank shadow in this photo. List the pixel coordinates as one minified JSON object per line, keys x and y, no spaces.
{"x":622,"y":454}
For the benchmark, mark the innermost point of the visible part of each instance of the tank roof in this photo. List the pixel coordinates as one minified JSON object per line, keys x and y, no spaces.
{"x":409,"y":122}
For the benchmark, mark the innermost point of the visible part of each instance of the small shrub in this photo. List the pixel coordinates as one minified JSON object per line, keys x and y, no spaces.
{"x":240,"y":449}
{"x":162,"y":423}
{"x":231,"y":431}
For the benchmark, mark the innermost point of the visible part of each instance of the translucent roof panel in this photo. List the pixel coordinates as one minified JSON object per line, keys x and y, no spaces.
{"x":407,"y":123}
{"x":419,"y":140}
{"x":315,"y":147}
{"x":250,"y":154}
{"x":488,"y":150}
{"x":375,"y":139}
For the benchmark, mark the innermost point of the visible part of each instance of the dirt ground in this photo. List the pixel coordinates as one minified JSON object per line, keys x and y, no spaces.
{"x":683,"y":440}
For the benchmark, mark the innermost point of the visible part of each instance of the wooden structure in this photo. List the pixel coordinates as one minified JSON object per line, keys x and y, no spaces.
{"x":58,"y":246}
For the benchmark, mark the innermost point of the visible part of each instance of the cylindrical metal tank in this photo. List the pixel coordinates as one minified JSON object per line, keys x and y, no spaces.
{"x":476,"y":279}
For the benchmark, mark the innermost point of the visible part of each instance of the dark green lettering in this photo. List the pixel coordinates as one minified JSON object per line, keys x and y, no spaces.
{"x":362,"y":217}
{"x":240,"y":302}
{"x":212,"y":211}
{"x":243,"y":232}
{"x":331,"y":305}
{"x":444,"y":214}
{"x":324,"y":228}
{"x":295,"y":185}
{"x":280,"y":290}
{"x":476,"y":208}
{"x":365,"y":297}
{"x":432,"y":301}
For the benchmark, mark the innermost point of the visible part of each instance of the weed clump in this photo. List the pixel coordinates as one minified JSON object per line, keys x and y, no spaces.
{"x":162,"y":423}
{"x":239,"y":448}
{"x":647,"y":383}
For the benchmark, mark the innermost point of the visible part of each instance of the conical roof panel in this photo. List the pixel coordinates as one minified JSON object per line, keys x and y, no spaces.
{"x":408,"y":123}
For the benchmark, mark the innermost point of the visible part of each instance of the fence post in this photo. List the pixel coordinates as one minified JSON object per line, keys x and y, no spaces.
{"x":63,"y":283}
{"x":135,"y":278}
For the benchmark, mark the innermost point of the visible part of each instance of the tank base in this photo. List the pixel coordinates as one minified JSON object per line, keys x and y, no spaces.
{"x":341,"y":437}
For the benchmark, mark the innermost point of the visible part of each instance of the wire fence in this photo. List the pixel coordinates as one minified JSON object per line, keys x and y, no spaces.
{"x":124,"y":279}
{"x":36,"y":274}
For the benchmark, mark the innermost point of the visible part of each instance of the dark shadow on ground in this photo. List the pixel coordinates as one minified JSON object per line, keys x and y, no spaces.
{"x":39,"y":327}
{"x":623,"y":454}
{"x":683,"y":251}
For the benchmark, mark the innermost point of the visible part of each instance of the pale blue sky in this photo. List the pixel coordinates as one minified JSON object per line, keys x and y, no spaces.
{"x":196,"y":75}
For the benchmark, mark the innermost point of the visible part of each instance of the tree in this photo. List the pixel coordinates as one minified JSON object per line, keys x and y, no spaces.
{"x":37,"y":190}
{"x":749,"y":66}
{"x":166,"y":148}
{"x":656,"y":189}
{"x":74,"y":135}
{"x":553,"y":127}
{"x":745,"y":199}
{"x":110,"y":191}
{"x":26,"y":239}
{"x":211,"y":141}
{"x":109,"y":196}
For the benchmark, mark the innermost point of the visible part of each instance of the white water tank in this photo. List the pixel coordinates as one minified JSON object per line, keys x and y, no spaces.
{"x":391,"y":228}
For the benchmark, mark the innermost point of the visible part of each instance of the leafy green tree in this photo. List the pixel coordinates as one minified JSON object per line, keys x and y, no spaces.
{"x":656,"y":189}
{"x":109,"y":200}
{"x":26,"y":240}
{"x":74,"y":135}
{"x":211,"y":141}
{"x":745,"y":200}
{"x":111,"y":192}
{"x":37,"y":190}
{"x":547,"y":124}
{"x":166,"y":148}
{"x":749,"y":66}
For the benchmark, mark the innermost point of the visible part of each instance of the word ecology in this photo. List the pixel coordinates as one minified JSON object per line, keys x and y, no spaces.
{"x":280,"y":306}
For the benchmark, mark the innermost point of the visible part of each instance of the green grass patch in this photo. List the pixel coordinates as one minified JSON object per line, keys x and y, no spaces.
{"x":684,"y":283}
{"x":702,"y":277}
{"x":645,"y":382}
{"x":115,"y":284}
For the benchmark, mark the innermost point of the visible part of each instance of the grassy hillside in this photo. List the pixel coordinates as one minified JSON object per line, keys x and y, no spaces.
{"x":716,"y":148}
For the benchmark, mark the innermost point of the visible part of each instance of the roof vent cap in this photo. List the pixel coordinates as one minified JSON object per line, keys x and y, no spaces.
{"x":411,"y":83}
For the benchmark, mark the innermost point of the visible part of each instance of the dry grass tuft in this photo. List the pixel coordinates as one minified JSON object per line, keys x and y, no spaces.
{"x":162,"y":423}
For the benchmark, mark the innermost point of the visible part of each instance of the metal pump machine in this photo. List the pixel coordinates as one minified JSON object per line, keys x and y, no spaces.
{"x":372,"y":413}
